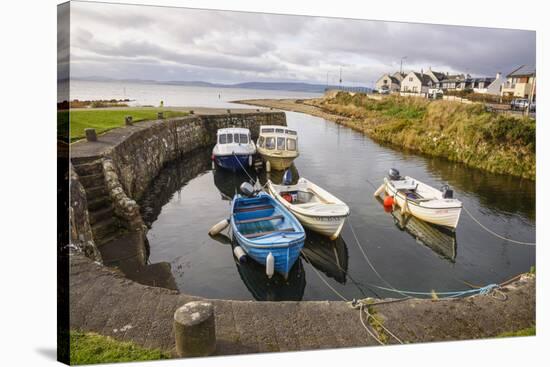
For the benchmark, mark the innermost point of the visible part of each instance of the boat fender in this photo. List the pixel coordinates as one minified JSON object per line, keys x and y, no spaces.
{"x":270,"y":265}
{"x":267,"y":166}
{"x":239,"y":254}
{"x":388,"y":201}
{"x":218,"y":227}
{"x":287,"y":197}
{"x":250,"y":161}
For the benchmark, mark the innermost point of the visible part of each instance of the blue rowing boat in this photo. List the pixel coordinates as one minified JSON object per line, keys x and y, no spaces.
{"x":267,"y":232}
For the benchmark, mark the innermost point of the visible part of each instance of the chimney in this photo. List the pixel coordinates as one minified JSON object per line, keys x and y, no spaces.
{"x":422,"y":72}
{"x":498,"y":75}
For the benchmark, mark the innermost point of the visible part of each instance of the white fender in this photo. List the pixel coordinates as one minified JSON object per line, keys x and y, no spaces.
{"x":250,"y":161}
{"x":239,"y":254}
{"x":267,"y":166}
{"x":270,"y":265}
{"x":218,"y":227}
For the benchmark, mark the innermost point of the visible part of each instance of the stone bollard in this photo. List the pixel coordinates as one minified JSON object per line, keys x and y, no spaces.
{"x":90,"y":134}
{"x":195,"y":329}
{"x":128,"y":120}
{"x":160,"y":115}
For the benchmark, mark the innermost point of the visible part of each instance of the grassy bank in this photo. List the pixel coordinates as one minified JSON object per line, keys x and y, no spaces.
{"x":107,"y":119}
{"x":460,"y":132}
{"x":90,"y":348}
{"x":531,"y":331}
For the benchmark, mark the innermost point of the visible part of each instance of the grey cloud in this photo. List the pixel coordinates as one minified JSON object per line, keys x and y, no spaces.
{"x":236,"y":45}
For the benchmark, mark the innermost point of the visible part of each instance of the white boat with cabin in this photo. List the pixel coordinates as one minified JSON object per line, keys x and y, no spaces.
{"x":278,"y":145}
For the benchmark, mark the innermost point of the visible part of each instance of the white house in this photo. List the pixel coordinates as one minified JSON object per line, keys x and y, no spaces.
{"x":417,"y":83}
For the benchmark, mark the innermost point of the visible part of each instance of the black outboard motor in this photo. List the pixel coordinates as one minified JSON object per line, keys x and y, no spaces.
{"x":287,"y":178}
{"x":247,"y":189}
{"x":393,"y":174}
{"x":447,"y":192}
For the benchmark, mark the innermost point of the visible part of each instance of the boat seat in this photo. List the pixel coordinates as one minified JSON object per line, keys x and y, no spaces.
{"x":263,"y":219}
{"x":259,"y":234}
{"x":253,"y":208}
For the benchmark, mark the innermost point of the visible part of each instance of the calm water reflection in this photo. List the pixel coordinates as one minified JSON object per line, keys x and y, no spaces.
{"x":188,"y":198}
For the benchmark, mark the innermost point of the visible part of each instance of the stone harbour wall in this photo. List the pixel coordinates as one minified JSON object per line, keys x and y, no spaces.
{"x":140,"y":157}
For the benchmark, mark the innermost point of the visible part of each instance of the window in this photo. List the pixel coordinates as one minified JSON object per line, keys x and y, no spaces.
{"x":261,"y":141}
{"x":237,"y":138}
{"x":270,"y":143}
{"x":229,"y":138}
{"x":268,"y":130}
{"x":291,"y":132}
{"x":410,"y":79}
{"x":280,"y":143}
{"x":244,"y":138}
{"x":222,"y":139}
{"x":279,"y":130}
{"x":291,"y":144}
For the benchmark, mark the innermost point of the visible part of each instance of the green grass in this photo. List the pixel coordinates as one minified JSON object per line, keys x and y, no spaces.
{"x":90,"y":348}
{"x":523,"y":332}
{"x":107,"y":119}
{"x":464,"y":133}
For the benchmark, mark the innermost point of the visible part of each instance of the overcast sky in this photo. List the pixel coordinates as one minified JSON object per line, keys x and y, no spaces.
{"x":159,"y":43}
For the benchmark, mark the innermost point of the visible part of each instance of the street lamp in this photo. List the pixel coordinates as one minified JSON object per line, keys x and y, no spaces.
{"x":401,"y":67}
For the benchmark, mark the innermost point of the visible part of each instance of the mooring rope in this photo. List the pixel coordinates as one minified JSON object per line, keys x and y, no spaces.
{"x":246,"y":171}
{"x":324,"y":280}
{"x":496,"y":234}
{"x":368,"y":260}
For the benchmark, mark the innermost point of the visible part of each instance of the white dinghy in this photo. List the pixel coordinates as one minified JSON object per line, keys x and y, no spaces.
{"x":315,"y":208}
{"x":421,"y":200}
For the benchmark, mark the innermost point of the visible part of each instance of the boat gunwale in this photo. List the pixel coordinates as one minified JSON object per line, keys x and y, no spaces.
{"x":411,"y":201}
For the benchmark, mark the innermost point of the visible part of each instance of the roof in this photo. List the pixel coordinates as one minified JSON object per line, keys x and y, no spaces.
{"x":439,"y":75}
{"x":453,"y":78}
{"x":424,"y":78}
{"x":395,"y":80}
{"x":524,"y":70}
{"x":233,"y":130}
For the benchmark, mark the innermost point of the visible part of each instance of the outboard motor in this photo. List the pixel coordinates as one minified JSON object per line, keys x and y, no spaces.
{"x":393,"y":174}
{"x":447,"y":192}
{"x":247,"y":189}
{"x":287,"y":178}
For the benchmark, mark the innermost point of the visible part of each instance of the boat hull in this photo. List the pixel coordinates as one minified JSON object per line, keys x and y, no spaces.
{"x":284,"y":246}
{"x":233,"y":162}
{"x":327,"y":226}
{"x":446,"y":217}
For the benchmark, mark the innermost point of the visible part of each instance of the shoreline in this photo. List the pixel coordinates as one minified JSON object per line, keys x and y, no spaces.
{"x":309,"y":107}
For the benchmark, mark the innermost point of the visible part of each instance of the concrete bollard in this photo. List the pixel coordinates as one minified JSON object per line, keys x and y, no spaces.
{"x":128,"y":120}
{"x":160,"y":115}
{"x":195,"y":329}
{"x":90,"y":134}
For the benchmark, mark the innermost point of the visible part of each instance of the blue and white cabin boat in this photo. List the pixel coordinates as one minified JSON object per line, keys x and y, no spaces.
{"x":267,"y":232}
{"x":234,"y":149}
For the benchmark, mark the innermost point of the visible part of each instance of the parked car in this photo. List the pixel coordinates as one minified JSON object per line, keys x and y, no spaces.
{"x":384,"y":91}
{"x":519,"y":104}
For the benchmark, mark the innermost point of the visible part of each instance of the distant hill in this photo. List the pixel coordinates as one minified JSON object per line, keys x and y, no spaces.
{"x":286,"y":86}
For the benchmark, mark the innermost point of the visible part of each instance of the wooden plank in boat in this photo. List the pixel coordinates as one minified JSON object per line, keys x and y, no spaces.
{"x":254,"y":220}
{"x":259,"y":234}
{"x":253,"y":208}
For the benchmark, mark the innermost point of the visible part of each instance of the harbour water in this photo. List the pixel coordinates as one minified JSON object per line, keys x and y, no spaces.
{"x":188,"y":197}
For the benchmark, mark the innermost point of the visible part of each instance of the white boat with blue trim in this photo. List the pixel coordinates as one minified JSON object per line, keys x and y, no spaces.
{"x":234,"y":149}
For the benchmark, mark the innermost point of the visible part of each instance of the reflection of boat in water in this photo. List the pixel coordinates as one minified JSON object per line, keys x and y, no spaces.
{"x":329,"y":257}
{"x":440,"y":240}
{"x":228,"y":182}
{"x":276,"y":288}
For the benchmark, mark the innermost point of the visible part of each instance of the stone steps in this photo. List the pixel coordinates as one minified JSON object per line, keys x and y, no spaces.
{"x":99,"y":203}
{"x":95,"y":192}
{"x":92,"y":168}
{"x":104,"y":228}
{"x":94,"y":180}
{"x":101,"y":214}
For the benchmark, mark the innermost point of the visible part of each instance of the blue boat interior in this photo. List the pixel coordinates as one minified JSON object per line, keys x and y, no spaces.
{"x":258,"y":217}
